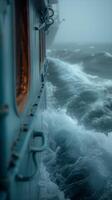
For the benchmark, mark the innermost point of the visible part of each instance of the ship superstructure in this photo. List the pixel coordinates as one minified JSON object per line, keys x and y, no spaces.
{"x":23,"y":70}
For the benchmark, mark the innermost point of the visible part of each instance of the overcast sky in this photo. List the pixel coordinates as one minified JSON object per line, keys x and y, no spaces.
{"x":85,"y":21}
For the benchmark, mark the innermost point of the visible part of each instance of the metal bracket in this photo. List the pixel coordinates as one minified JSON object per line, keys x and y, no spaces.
{"x":44,"y":144}
{"x":34,"y":151}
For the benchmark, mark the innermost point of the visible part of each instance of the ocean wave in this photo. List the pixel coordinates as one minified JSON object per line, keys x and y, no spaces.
{"x":84,"y":96}
{"x":95,"y":63}
{"x":108,"y":54}
{"x":78,"y":158}
{"x":78,"y":54}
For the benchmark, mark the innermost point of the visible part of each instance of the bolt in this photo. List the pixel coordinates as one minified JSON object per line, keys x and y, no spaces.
{"x":35,"y":104}
{"x":25,"y":127}
{"x":31,"y":114}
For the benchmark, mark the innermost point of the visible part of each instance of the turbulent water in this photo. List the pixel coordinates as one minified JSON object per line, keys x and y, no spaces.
{"x":78,"y":162}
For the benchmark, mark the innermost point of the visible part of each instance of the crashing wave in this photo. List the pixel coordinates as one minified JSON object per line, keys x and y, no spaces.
{"x":78,"y":159}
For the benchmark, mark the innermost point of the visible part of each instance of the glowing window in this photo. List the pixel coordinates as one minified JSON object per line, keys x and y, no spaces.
{"x":22,"y":53}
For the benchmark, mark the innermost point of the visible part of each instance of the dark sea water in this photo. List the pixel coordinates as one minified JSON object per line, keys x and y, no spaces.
{"x":78,"y":162}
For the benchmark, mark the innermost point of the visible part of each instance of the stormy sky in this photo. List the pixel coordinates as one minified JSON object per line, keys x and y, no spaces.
{"x":85,"y":21}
